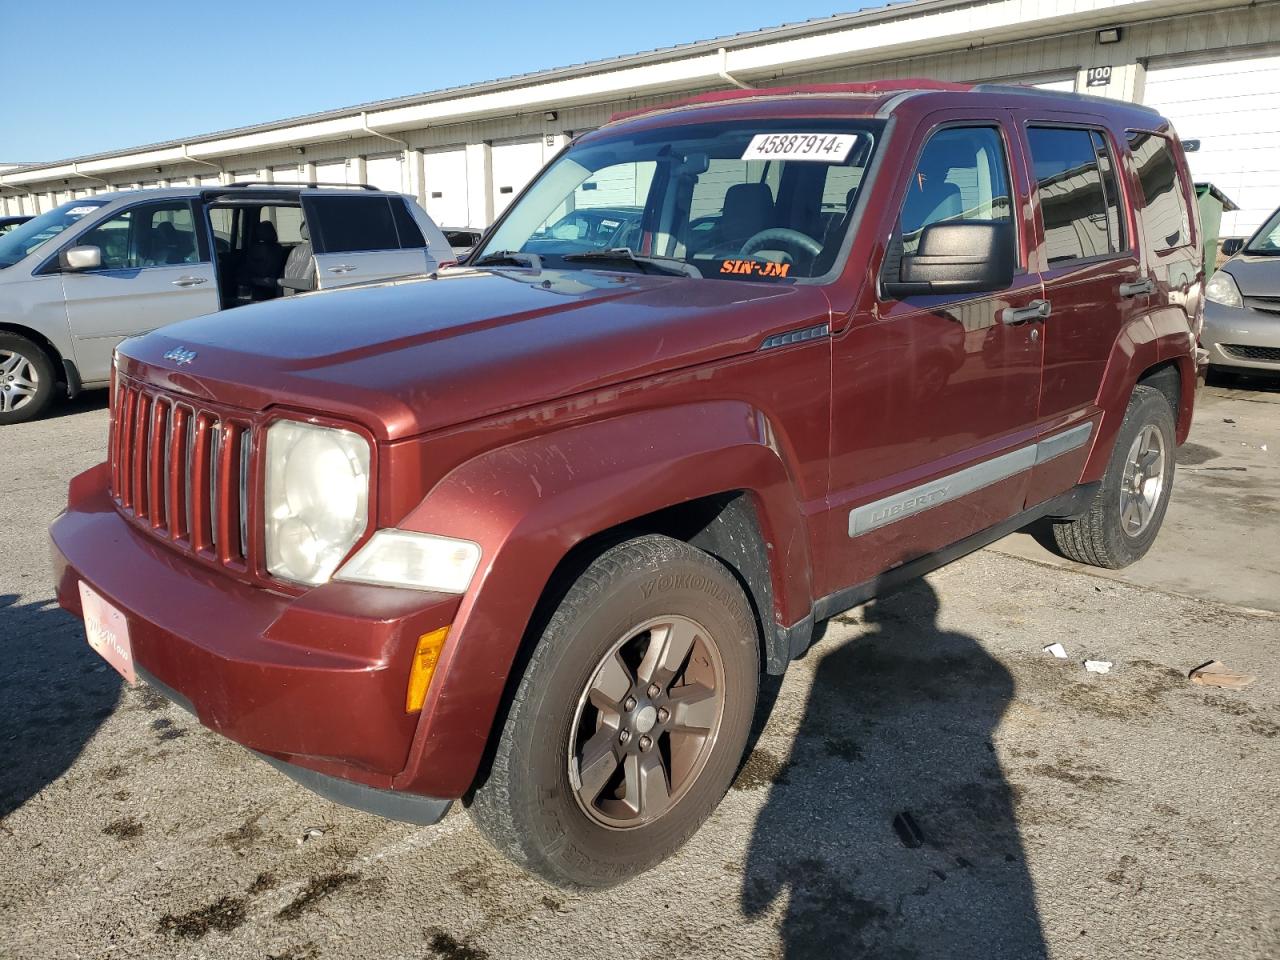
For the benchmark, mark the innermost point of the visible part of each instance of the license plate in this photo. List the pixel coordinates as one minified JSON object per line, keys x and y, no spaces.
{"x":108,"y":632}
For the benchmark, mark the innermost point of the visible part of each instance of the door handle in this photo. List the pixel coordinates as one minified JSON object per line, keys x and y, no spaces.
{"x":1137,"y":288}
{"x":342,"y":268}
{"x":189,"y":281}
{"x":1035,"y":310}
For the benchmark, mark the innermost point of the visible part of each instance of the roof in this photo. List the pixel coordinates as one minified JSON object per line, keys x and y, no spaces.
{"x":876,"y":95}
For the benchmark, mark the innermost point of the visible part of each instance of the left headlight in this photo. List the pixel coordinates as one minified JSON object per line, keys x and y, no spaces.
{"x":1222,"y":289}
{"x":317,"y":498}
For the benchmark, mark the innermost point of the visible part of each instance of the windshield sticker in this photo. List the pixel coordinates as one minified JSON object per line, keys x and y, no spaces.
{"x":756,"y":268}
{"x":819,"y":147}
{"x":80,"y":211}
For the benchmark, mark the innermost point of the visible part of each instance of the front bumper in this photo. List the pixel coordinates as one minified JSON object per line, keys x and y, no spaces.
{"x":1241,"y":338}
{"x":315,"y":683}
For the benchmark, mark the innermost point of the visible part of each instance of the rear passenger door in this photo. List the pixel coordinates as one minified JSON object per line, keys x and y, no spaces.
{"x":363,"y":238}
{"x":1092,"y":279}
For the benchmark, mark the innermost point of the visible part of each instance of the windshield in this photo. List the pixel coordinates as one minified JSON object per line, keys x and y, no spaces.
{"x":766,"y":200}
{"x":19,"y":242}
{"x":1266,"y":242}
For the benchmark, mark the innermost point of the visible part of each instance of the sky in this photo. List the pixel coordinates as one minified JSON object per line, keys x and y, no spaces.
{"x":93,"y":77}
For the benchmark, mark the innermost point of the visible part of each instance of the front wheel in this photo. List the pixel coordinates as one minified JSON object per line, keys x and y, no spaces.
{"x":1126,"y":513}
{"x":26,"y":379}
{"x":630,"y":720}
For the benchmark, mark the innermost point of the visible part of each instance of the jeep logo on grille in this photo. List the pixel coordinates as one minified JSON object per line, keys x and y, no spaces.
{"x":180,"y":355}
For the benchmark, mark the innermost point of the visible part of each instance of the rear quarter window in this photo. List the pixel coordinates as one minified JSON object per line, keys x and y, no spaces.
{"x":355,"y":224}
{"x":1164,"y":215}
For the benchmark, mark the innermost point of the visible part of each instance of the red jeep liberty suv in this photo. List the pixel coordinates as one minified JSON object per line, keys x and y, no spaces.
{"x":527,"y":533}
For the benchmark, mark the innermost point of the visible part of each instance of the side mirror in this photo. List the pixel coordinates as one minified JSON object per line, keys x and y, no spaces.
{"x":958,"y":256}
{"x":75,"y":259}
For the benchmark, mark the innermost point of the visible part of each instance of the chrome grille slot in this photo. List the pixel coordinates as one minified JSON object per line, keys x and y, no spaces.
{"x":182,"y":471}
{"x":246,"y":440}
{"x":215,"y":462}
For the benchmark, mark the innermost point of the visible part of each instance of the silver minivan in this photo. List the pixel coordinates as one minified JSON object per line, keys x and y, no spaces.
{"x":77,"y":280}
{"x":1242,"y":306}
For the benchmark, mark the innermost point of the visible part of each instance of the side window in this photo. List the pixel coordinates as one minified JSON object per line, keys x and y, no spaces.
{"x":1074,"y":202}
{"x":962,"y":174}
{"x":409,"y":232}
{"x":148,"y":235}
{"x":222,"y":219}
{"x":1165,"y":215}
{"x":1116,"y":234}
{"x":354,"y":224}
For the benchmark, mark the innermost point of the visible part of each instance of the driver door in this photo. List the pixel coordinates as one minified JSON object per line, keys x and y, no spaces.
{"x":155,"y":271}
{"x":935,"y":396}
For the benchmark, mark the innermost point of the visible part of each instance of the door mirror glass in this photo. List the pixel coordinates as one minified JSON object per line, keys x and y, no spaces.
{"x":75,"y":259}
{"x":958,"y":257}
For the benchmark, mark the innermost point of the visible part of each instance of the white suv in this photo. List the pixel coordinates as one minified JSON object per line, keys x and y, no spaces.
{"x":77,"y":280}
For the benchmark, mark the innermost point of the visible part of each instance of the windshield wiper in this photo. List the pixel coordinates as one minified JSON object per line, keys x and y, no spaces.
{"x":509,"y":258}
{"x":670,"y":265}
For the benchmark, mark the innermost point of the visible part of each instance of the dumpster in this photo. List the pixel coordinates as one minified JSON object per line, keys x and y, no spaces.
{"x":1211,"y":202}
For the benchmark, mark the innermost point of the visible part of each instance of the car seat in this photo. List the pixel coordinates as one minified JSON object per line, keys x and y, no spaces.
{"x":264,"y":262}
{"x":300,"y":267}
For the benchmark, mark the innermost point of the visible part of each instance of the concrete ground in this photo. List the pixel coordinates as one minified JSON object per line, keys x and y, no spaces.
{"x":1060,"y":813}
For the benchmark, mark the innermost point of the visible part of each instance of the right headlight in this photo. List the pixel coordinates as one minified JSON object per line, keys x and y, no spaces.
{"x":317,"y":498}
{"x":1222,"y":289}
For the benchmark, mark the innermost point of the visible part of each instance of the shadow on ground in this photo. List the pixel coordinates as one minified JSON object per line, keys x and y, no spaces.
{"x":1261,"y":382}
{"x":54,"y":694}
{"x":899,"y":720}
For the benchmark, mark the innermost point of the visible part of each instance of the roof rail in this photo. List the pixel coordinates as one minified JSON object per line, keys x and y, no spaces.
{"x":1018,"y":89}
{"x":866,"y":88}
{"x":297,"y":183}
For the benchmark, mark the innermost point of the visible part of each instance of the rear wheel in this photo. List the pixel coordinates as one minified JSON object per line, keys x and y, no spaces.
{"x":26,"y":379}
{"x":1126,"y":513}
{"x":630,"y":720}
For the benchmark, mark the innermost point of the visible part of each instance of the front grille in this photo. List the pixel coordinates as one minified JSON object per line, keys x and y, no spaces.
{"x":1267,"y":304}
{"x":182,"y":471}
{"x":1244,"y":352}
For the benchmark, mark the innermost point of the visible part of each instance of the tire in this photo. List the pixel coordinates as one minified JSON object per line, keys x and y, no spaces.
{"x":1107,"y":534}
{"x":27,"y":381}
{"x":539,"y":813}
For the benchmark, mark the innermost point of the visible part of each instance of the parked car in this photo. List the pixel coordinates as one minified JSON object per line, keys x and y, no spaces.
{"x":9,"y":223}
{"x":462,"y":239}
{"x":589,"y":228}
{"x":128,"y":262}
{"x":1242,"y":315}
{"x":529,"y":534}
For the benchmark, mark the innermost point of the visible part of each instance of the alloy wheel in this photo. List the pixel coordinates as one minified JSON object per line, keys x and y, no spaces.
{"x":646,"y":722}
{"x":1142,"y":483}
{"x":19,"y":381}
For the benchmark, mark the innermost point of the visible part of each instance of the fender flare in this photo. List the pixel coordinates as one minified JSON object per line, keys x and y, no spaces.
{"x":529,"y":503}
{"x":1144,"y":343}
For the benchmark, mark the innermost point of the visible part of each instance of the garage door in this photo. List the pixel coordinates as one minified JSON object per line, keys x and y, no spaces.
{"x":286,"y":174}
{"x":1065,"y":85}
{"x":1233,"y":109}
{"x":514,"y":165}
{"x":335,"y":171}
{"x":384,"y":172}
{"x":445,"y":176}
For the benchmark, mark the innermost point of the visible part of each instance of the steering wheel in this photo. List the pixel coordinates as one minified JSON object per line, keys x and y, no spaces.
{"x":792,"y":241}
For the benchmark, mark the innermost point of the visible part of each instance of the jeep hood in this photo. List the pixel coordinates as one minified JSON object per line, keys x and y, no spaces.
{"x":407,"y":357}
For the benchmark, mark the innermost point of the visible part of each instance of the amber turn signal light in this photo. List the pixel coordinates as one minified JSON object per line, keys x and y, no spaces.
{"x":424,"y":665}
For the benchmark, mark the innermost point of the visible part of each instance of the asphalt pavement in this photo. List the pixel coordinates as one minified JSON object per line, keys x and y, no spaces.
{"x":929,"y":782}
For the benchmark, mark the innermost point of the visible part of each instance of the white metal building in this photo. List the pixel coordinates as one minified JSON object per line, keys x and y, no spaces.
{"x":1212,"y":66}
